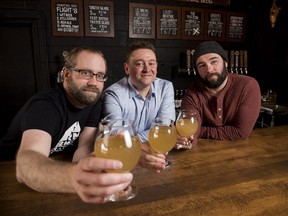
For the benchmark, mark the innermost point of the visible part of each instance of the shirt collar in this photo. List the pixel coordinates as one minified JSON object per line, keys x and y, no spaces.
{"x":134,"y":93}
{"x":226,"y":87}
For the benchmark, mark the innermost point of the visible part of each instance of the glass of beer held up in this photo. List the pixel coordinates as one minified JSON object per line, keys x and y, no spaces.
{"x":115,"y":140}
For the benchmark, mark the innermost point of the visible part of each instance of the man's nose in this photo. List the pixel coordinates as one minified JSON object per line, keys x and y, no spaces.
{"x":209,"y":68}
{"x":93,"y":81}
{"x":146,"y":67}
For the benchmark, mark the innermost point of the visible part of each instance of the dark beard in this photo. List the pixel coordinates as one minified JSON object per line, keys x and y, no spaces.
{"x":80,"y":95}
{"x":213,"y":84}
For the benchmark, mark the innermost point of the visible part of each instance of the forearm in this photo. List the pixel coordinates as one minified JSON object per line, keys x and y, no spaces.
{"x":151,"y":160}
{"x":44,"y":174}
{"x":82,"y":152}
{"x":226,"y":132}
{"x":86,"y":143}
{"x":241,"y":123}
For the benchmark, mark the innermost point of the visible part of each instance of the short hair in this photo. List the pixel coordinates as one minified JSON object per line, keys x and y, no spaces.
{"x":71,"y":56}
{"x":139,"y":45}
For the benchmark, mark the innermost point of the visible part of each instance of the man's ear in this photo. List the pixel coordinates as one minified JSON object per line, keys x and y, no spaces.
{"x":126,"y":68}
{"x":60,"y":78}
{"x":65,"y":72}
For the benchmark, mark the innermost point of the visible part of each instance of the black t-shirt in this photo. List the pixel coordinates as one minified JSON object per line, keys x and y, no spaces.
{"x":50,"y":111}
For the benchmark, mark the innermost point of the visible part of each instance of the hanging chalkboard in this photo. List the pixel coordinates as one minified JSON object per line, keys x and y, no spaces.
{"x":202,"y":2}
{"x":215,"y":24}
{"x":67,"y":17}
{"x":168,"y":22}
{"x":141,"y":21}
{"x":192,"y":23}
{"x":236,"y":26}
{"x":99,"y":18}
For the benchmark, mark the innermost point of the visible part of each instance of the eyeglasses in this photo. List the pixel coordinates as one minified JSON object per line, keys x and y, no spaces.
{"x":86,"y":74}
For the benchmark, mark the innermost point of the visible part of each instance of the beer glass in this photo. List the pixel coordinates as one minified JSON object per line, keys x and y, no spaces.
{"x":187,"y":125}
{"x":115,"y":141}
{"x":162,"y":136}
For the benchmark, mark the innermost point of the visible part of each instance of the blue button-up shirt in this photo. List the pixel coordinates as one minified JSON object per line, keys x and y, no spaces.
{"x":122,"y":100}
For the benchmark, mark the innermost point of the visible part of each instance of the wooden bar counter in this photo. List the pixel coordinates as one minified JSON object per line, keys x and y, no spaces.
{"x":248,"y":177}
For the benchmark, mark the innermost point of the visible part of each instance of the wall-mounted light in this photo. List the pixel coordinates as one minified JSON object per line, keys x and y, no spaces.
{"x":274,"y":11}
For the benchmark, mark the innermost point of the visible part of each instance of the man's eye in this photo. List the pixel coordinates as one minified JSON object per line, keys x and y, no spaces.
{"x":200,"y":66}
{"x":86,"y":73}
{"x":139,"y":64}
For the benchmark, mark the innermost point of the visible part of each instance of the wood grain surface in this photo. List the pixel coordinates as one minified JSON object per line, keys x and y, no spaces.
{"x":248,"y":177}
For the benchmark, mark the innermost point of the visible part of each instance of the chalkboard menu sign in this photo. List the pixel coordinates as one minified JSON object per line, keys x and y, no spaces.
{"x":236,"y":23}
{"x":67,"y":17}
{"x":141,"y":20}
{"x":192,"y":23}
{"x":99,"y":18}
{"x":200,"y":2}
{"x":168,"y":22}
{"x":215,"y":25}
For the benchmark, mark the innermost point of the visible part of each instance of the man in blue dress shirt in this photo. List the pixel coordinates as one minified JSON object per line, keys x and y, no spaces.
{"x":141,"y":97}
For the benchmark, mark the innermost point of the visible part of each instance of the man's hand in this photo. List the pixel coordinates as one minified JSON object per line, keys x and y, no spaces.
{"x":93,"y":184}
{"x":183,"y":142}
{"x":151,"y":160}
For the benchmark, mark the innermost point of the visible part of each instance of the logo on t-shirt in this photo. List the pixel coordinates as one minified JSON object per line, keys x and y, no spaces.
{"x":68,"y":138}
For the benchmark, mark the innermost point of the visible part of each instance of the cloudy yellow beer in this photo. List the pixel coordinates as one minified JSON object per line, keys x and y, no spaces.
{"x":186,"y":127}
{"x":162,"y":138}
{"x":115,"y":147}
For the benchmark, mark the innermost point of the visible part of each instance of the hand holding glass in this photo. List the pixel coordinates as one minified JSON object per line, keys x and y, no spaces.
{"x":186,"y":125}
{"x":114,"y":141}
{"x":162,"y":136}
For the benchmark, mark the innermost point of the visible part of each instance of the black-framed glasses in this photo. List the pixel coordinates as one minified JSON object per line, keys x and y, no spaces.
{"x":86,"y":74}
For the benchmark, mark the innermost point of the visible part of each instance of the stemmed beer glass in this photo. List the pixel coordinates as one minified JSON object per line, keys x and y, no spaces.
{"x":162,"y":136}
{"x":187,"y":125}
{"x":115,"y":141}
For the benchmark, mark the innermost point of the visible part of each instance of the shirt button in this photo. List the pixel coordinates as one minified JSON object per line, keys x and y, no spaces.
{"x":220,"y":117}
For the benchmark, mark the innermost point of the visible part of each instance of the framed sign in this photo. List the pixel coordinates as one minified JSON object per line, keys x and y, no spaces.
{"x":236,"y":26}
{"x":168,"y":22}
{"x":202,"y":2}
{"x":215,"y":23}
{"x":67,"y":17}
{"x":141,"y":20}
{"x":192,"y":23}
{"x":99,"y":18}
